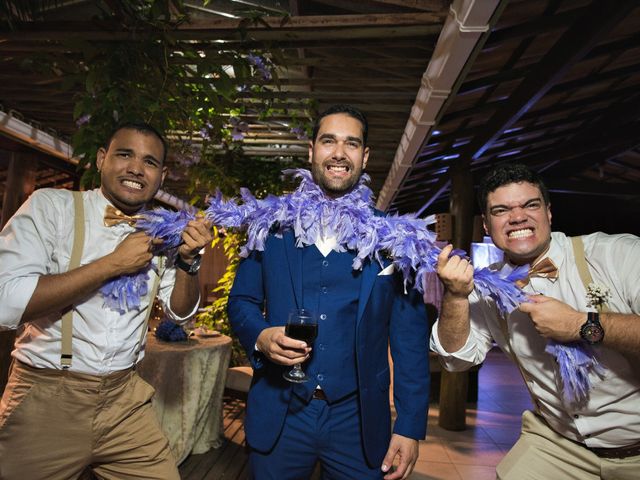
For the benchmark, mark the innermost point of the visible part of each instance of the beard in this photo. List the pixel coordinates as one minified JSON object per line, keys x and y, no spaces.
{"x":335,"y":187}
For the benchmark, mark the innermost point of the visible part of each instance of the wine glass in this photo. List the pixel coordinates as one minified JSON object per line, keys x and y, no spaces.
{"x":301,"y":325}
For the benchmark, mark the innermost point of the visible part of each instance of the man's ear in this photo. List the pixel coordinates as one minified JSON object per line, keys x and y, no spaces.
{"x":100,"y":157}
{"x":484,"y":225}
{"x":365,"y":158}
{"x":310,"y":152}
{"x":549,"y":213}
{"x":165,"y":170}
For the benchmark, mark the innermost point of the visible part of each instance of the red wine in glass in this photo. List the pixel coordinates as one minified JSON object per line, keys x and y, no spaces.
{"x":301,"y":325}
{"x":305,"y":332}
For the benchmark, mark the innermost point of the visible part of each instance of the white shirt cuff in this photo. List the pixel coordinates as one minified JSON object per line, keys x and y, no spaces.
{"x":16,"y":295}
{"x":463,"y":359}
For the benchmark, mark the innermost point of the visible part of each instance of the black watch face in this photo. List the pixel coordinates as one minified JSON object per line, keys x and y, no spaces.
{"x":592,"y":333}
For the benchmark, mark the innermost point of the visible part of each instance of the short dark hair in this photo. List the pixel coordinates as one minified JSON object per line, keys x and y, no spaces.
{"x":504,"y":175}
{"x":141,"y":127}
{"x":348,"y":110}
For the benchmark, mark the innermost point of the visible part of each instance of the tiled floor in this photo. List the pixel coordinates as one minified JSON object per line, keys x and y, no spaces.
{"x":493,"y":426}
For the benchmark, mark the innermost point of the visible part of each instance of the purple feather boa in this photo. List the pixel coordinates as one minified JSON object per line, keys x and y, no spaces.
{"x":500,"y":286}
{"x":124,"y":293}
{"x":575,"y":362}
{"x":351,"y":218}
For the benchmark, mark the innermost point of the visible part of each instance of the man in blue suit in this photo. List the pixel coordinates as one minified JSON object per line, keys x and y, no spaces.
{"x":341,"y":417}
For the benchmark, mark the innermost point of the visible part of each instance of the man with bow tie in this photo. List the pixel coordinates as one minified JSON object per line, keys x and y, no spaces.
{"x":73,"y":399}
{"x":584,"y":297}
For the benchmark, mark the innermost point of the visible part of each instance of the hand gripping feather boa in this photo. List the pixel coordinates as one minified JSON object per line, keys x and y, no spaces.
{"x":308,"y":212}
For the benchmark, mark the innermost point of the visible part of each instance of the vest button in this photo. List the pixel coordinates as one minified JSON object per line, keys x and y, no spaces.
{"x":323,"y":316}
{"x":324,"y":289}
{"x":320,"y":377}
{"x":325,"y":263}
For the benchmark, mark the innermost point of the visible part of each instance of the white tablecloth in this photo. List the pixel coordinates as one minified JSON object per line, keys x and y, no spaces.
{"x":189,"y":378}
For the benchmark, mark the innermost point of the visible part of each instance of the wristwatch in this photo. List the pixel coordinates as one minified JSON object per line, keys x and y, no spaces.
{"x":592,"y":331}
{"x":190,"y":269}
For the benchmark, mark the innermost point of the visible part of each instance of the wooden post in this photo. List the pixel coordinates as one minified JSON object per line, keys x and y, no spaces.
{"x":454,"y":385}
{"x":21,"y":181}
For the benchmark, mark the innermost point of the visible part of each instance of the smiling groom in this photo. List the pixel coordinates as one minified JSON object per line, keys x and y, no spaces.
{"x":341,"y":418}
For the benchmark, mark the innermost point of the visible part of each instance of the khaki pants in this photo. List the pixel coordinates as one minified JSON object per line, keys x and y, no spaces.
{"x":541,"y":454}
{"x":55,"y":423}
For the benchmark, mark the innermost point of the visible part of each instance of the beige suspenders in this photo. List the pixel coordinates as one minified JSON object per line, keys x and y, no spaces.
{"x":583,"y":269}
{"x":76,"y":255}
{"x":154,"y":290}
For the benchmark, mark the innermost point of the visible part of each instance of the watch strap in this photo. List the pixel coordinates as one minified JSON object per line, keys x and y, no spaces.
{"x":192,"y":268}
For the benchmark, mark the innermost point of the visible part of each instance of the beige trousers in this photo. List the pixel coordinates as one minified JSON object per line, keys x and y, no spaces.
{"x":55,"y":423}
{"x":541,"y":454}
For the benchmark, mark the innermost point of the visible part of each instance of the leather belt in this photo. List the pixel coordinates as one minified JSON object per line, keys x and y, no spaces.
{"x":318,"y":394}
{"x":617,"y":452}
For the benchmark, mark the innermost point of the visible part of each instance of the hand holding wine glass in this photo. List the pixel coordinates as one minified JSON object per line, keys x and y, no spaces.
{"x":301,"y":325}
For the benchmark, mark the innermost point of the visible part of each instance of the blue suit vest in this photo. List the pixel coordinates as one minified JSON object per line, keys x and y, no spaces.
{"x":331,"y":289}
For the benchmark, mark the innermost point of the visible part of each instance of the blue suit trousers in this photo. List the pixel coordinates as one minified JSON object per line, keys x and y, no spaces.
{"x":317,"y":431}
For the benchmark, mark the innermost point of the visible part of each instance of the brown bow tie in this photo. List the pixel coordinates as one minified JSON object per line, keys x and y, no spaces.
{"x":113,"y":216}
{"x":544,"y":268}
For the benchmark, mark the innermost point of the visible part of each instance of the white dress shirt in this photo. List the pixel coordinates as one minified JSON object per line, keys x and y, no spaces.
{"x":611,"y":417}
{"x":38,"y":241}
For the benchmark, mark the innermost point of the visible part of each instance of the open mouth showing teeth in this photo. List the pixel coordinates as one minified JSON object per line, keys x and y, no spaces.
{"x":132,"y":184}
{"x":338,"y":168}
{"x":525,"y":232}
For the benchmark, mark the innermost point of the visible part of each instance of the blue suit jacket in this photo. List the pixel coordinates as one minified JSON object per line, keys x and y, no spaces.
{"x":266,"y":287}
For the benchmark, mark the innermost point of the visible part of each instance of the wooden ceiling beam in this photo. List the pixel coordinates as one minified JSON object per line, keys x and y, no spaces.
{"x":584,"y":187}
{"x":387,"y":6}
{"x":531,"y":28}
{"x":436,"y":6}
{"x":277,"y":28}
{"x":590,"y":80}
{"x":555,"y":109}
{"x":322,"y":38}
{"x":620,"y":163}
{"x":587,"y":31}
{"x":567,"y":159}
{"x":424,"y":39}
{"x":319,"y":22}
{"x":372,"y":61}
{"x":360,"y":6}
{"x":517,"y":73}
{"x":332,"y":61}
{"x":539,"y":128}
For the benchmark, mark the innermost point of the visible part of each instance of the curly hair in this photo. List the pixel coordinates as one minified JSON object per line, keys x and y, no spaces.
{"x":506,"y":174}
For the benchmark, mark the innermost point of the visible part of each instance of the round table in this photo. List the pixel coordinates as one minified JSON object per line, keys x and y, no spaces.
{"x":189,"y":379}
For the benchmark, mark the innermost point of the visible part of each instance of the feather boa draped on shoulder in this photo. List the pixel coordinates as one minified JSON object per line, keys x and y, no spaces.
{"x":353,"y":220}
{"x":308,"y":212}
